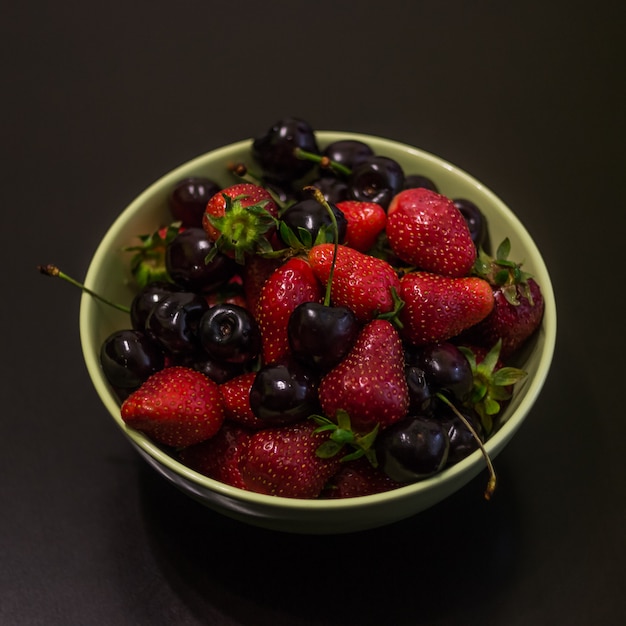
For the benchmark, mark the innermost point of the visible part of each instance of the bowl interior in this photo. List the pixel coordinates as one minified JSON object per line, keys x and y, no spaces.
{"x":108,"y":274}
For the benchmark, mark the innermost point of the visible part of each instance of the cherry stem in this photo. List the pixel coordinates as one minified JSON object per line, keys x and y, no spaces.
{"x":54,"y":271}
{"x":322,"y":161}
{"x":319,"y":196}
{"x":491,"y":484}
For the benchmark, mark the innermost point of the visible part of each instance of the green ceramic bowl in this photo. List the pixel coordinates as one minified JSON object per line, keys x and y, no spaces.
{"x":108,"y":274}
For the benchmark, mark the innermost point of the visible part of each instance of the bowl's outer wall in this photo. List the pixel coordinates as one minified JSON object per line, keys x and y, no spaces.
{"x":108,"y":274}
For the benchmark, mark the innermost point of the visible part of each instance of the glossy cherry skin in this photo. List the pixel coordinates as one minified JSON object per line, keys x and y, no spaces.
{"x":377,"y":179}
{"x":462,"y":441}
{"x":189,"y":198}
{"x":333,"y":189}
{"x":476,"y":222}
{"x":129,"y":357}
{"x":146,"y":298}
{"x":348,"y":152}
{"x":311,"y":216}
{"x":174,"y":320}
{"x":412,"y":449}
{"x":284,"y":392}
{"x":185,"y":262}
{"x":420,"y":395}
{"x":321,"y":336}
{"x":445,"y":368}
{"x":274,"y":151}
{"x":230,"y":334}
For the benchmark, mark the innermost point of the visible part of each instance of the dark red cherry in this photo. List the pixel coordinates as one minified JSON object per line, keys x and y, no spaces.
{"x":377,"y":179}
{"x":284,"y":392}
{"x":185,"y":260}
{"x":310,"y":216}
{"x":275,"y":150}
{"x":348,"y":152}
{"x":476,"y":222}
{"x":321,"y":336}
{"x":414,"y":181}
{"x":129,"y":357}
{"x":230,"y":334}
{"x":189,"y":198}
{"x":412,"y":449}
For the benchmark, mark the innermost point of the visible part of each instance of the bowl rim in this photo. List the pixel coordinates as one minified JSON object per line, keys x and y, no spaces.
{"x":471,"y":463}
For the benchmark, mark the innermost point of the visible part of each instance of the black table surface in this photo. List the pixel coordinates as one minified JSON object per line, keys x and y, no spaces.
{"x":98,"y":103}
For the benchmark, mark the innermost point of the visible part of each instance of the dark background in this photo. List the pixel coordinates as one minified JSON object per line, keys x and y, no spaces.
{"x":97,"y":104}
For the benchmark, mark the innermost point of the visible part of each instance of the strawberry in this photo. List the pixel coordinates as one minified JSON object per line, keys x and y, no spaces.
{"x":437,"y":308}
{"x":426,"y":230}
{"x":369,"y":384}
{"x":518,"y":303}
{"x":241,"y":220}
{"x":366,"y":220}
{"x":147,"y":264}
{"x":365,"y":284}
{"x":176,"y":406}
{"x":236,"y":396}
{"x":255,"y":272}
{"x":283,"y":461}
{"x":358,"y":478}
{"x":289,"y":285}
{"x":220,"y":457}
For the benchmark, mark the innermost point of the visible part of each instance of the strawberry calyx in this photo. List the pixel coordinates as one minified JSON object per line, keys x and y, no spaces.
{"x":242,"y":229}
{"x":342,"y":435}
{"x":504,"y":274}
{"x":147,"y":265}
{"x":492,"y":386}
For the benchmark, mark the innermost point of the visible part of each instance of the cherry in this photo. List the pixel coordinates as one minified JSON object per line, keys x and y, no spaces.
{"x":420,"y":395}
{"x":185,"y":260}
{"x":414,"y":181}
{"x":334,"y":189}
{"x":284,"y":392}
{"x":174,"y":320}
{"x":321,"y":336}
{"x":462,"y":440}
{"x":146,"y":298}
{"x":412,"y":449}
{"x":189,"y":198}
{"x":230,"y":334}
{"x":348,"y":152}
{"x":476,"y":222}
{"x":445,"y":368}
{"x":129,"y":357}
{"x":275,"y":150}
{"x":311,"y":216}
{"x":377,"y":179}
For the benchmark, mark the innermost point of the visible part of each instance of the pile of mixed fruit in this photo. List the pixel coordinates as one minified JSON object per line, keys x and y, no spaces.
{"x":327,"y":326}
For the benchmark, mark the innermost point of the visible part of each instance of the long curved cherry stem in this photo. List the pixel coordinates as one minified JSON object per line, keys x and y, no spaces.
{"x":322,"y":161}
{"x":54,"y":271}
{"x":491,"y":484}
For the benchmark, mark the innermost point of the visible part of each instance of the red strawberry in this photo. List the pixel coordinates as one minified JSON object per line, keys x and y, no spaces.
{"x":290,"y":285}
{"x":361,"y":282}
{"x":283,"y":462}
{"x":255,"y":272}
{"x":176,"y":406}
{"x":241,"y":220}
{"x":369,"y":384}
{"x":366,"y":220}
{"x":236,"y":397}
{"x":518,"y":303}
{"x":221,"y":456}
{"x":437,"y":307}
{"x":425,"y":229}
{"x":358,"y":478}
